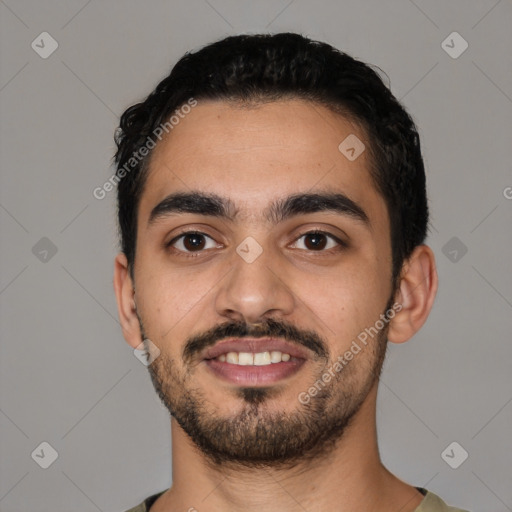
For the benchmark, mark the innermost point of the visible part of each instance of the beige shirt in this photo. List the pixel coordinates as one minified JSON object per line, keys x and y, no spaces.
{"x":430,"y":503}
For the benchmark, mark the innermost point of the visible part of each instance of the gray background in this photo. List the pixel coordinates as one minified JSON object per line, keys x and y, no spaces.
{"x":67,"y":376}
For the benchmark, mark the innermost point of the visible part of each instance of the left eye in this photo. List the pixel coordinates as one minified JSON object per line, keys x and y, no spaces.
{"x":318,"y":241}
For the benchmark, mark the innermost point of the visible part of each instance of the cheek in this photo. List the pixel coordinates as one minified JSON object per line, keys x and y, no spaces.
{"x":169,"y":299}
{"x":348,"y":302}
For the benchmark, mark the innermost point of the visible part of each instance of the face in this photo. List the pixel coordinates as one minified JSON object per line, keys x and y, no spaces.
{"x":263,"y":252}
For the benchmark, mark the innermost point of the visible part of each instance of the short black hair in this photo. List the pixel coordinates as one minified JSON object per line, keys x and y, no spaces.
{"x":263,"y":67}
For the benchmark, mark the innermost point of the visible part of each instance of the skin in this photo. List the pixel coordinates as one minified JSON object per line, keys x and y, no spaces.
{"x":254,"y":156}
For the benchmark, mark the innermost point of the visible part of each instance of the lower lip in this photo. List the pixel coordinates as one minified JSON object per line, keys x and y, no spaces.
{"x":254,"y":375}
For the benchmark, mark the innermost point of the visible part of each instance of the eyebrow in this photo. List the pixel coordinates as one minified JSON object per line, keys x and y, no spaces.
{"x":213,"y":205}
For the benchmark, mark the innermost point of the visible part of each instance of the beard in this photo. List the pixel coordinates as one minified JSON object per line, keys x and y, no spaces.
{"x":256,"y":437}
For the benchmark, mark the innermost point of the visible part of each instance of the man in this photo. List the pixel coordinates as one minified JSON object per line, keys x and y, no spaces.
{"x":273,"y":214}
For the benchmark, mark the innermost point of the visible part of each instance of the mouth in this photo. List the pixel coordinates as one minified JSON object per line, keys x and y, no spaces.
{"x":253,"y":362}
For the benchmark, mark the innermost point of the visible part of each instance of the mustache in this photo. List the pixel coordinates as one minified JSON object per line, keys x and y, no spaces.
{"x":269,"y":328}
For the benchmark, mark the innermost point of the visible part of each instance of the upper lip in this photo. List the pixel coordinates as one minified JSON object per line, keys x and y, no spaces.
{"x":255,"y":345}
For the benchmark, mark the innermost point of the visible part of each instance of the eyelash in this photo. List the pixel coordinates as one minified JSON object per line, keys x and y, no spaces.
{"x":195,"y":254}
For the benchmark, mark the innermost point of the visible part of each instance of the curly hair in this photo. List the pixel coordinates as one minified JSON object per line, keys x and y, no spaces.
{"x":260,"y":68}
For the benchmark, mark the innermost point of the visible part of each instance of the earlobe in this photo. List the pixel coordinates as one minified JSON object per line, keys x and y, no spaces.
{"x":125,"y":296}
{"x":416,"y":293}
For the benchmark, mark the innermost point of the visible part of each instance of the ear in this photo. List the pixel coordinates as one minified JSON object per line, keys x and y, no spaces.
{"x":416,"y":293}
{"x":125,"y":295}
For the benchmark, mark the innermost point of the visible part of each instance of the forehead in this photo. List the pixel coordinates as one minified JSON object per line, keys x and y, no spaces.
{"x":258,"y":153}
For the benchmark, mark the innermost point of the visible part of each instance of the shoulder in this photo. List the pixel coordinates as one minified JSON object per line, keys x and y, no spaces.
{"x":146,"y":504}
{"x":433,"y":503}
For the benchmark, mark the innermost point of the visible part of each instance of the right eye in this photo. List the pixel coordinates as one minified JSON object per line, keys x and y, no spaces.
{"x":192,"y":241}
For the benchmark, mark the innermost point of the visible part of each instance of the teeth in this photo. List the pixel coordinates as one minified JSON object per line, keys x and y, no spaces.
{"x":275,"y":356}
{"x":261,"y":358}
{"x":245,"y":358}
{"x":250,"y":359}
{"x":232,"y":357}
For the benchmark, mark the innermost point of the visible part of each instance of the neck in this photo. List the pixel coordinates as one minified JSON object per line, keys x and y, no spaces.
{"x":348,"y":477}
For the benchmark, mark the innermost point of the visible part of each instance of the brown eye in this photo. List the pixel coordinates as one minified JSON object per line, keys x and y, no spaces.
{"x":192,"y":241}
{"x":318,"y":241}
{"x":315,"y":241}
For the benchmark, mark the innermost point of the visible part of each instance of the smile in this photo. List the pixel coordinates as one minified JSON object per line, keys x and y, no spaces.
{"x":250,"y":359}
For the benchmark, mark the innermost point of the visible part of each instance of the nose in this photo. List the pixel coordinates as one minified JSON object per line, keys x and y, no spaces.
{"x":254,"y":290}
